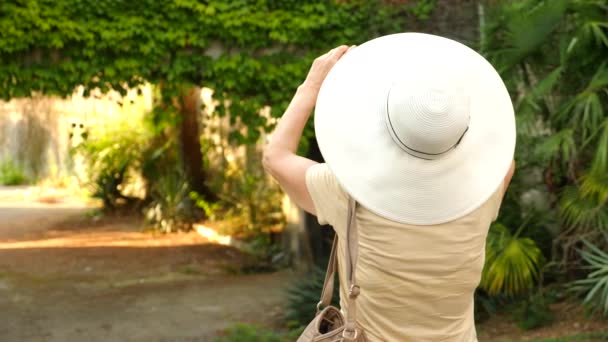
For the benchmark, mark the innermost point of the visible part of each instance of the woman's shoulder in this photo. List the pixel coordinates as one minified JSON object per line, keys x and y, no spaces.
{"x":328,"y":196}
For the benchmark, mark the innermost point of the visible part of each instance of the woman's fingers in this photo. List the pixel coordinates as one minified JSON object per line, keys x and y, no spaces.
{"x":323,"y":64}
{"x":337,"y":52}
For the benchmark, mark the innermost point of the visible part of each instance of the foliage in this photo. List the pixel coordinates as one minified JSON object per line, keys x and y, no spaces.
{"x":512,"y":262}
{"x":553,"y":61}
{"x":251,"y":203}
{"x":113,"y":155}
{"x":552,"y":56}
{"x":252,"y":52}
{"x":533,"y":312}
{"x":11,"y":174}
{"x":422,"y":9}
{"x":598,"y":336}
{"x":304,"y":294}
{"x":266,"y":255}
{"x":595,"y":285}
{"x":253,"y":333}
{"x":171,"y":208}
{"x":485,"y":305}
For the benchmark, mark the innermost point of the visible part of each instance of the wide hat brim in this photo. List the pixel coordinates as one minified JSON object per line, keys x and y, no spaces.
{"x":355,"y":143}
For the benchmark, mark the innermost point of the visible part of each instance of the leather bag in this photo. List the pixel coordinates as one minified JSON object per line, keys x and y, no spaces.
{"x":329,"y":324}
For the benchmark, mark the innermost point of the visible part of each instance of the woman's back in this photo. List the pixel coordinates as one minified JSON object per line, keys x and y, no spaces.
{"x":417,"y":282}
{"x":420,"y":131}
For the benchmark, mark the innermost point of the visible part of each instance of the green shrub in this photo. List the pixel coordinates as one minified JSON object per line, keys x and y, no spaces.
{"x":250,"y":204}
{"x":171,"y":208}
{"x":112,"y":154}
{"x":303,"y":296}
{"x":485,"y":305}
{"x":241,"y":332}
{"x":532,"y":312}
{"x":595,"y":285}
{"x":11,"y":174}
{"x":265,"y":255}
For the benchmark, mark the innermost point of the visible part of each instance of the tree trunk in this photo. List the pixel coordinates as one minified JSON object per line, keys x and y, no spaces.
{"x":190,"y":110}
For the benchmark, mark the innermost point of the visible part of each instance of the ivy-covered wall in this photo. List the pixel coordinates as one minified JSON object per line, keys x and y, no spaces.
{"x":253,"y":52}
{"x":265,"y":46}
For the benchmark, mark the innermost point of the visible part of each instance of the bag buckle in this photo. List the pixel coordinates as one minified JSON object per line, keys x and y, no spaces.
{"x":350,"y":335}
{"x":354,"y":291}
{"x":319,"y":306}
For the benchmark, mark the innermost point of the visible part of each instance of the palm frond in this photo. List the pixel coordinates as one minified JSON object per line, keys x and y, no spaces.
{"x":595,"y":285}
{"x":512,"y":262}
{"x":598,"y":31}
{"x":526,"y":33}
{"x":600,"y":160}
{"x":584,"y":212}
{"x":544,"y":86}
{"x":595,"y":185}
{"x":560,"y":144}
{"x":599,"y":79}
{"x":529,"y":107}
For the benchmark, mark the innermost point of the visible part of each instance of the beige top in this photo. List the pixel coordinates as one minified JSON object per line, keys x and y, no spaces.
{"x":417,"y":282}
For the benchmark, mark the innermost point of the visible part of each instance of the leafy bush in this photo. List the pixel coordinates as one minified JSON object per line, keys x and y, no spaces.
{"x":254,"y":333}
{"x":250,"y":203}
{"x":11,"y":174}
{"x":485,"y":305}
{"x":304,"y":294}
{"x":552,"y":59}
{"x":171,"y":208}
{"x":265,"y":255}
{"x":595,"y":285}
{"x":532,"y":312}
{"x":113,"y":155}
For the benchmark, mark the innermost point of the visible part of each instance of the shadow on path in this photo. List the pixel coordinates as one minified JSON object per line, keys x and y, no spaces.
{"x":68,"y":278}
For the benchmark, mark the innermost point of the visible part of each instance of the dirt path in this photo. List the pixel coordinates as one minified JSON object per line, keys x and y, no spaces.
{"x":65,"y":277}
{"x":28,"y":210}
{"x":68,"y":278}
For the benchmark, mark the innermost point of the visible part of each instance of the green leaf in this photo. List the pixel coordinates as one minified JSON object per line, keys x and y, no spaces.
{"x":512,"y":263}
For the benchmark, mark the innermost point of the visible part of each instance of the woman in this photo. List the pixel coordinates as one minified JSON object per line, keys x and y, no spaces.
{"x":420,"y":131}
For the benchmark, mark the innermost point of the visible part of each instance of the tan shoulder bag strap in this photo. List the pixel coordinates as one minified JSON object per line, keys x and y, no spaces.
{"x":352,"y":252}
{"x":351,"y":333}
{"x":328,"y":284}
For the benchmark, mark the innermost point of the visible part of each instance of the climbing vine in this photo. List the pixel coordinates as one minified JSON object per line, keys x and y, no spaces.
{"x":252,"y":52}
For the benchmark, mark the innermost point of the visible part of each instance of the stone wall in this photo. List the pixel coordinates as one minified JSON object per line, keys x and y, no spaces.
{"x":36,"y":133}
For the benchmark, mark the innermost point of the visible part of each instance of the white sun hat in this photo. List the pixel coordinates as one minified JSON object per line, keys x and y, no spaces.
{"x":417,"y":128}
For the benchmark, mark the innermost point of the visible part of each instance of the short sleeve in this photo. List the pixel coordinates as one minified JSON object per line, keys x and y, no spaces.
{"x":328,"y":197}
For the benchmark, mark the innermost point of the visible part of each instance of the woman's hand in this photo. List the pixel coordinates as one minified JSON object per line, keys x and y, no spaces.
{"x":321,"y":67}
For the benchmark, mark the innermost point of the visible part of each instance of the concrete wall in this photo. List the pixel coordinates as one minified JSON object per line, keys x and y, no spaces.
{"x":37,"y":133}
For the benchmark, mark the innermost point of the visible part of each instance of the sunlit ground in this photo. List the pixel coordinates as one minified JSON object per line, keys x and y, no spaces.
{"x":66,"y":275}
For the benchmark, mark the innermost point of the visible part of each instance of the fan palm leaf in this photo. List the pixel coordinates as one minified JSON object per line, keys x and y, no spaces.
{"x":595,"y":285}
{"x":583,"y":212}
{"x":512,"y":262}
{"x":528,"y":26}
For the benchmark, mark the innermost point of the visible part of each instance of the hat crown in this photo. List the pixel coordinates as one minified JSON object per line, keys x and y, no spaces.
{"x":427,"y":119}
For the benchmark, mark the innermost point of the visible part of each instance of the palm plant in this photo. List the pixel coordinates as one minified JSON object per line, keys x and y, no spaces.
{"x":552,"y":56}
{"x":512,"y":262}
{"x":595,"y":285}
